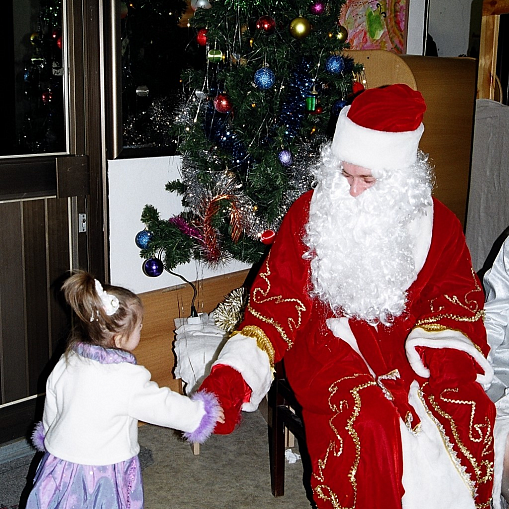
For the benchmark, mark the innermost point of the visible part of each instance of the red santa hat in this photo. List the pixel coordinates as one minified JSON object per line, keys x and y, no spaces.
{"x":381,"y":129}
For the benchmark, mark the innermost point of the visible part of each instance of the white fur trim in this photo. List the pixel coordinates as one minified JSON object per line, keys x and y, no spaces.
{"x":444,"y":339}
{"x":431,"y":480}
{"x":242,"y":354}
{"x":372,"y":149}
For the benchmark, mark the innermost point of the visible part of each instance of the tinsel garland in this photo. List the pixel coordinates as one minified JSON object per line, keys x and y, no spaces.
{"x":210,"y":208}
{"x":230,"y":312}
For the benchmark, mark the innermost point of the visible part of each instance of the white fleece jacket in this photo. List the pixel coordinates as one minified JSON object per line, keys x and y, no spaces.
{"x":92,"y":410}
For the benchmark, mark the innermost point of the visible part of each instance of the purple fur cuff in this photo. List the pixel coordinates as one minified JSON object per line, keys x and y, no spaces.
{"x":38,"y":437}
{"x":208,"y":421}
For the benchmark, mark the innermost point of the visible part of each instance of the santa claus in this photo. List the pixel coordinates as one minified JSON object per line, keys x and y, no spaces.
{"x":369,"y":295}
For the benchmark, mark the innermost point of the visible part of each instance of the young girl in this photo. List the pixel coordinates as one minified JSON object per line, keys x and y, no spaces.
{"x":94,"y":397}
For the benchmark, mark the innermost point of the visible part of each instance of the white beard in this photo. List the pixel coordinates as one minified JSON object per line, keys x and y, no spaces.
{"x":361,"y":250}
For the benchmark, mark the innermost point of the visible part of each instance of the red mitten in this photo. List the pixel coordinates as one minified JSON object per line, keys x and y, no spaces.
{"x":449,"y":365}
{"x":231,"y":391}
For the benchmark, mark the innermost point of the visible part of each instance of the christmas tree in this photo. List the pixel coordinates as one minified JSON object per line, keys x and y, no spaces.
{"x":43,"y":128}
{"x":250,"y":126}
{"x":153,"y":43}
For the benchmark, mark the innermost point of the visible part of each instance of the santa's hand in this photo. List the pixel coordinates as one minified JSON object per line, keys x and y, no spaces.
{"x":448,"y":365}
{"x":231,"y":391}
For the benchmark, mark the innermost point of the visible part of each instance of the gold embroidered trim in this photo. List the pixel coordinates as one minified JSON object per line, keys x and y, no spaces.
{"x":469,"y":305}
{"x":409,"y":419}
{"x":479,"y":315}
{"x":323,"y":491}
{"x":434,"y":327}
{"x":480,"y":436}
{"x":392,"y":375}
{"x":452,"y":453}
{"x":262,"y":341}
{"x":260,"y":296}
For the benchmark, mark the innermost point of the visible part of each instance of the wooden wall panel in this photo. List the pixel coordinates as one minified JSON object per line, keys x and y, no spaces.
{"x":12,"y":305}
{"x":37,"y":325}
{"x":383,"y":68}
{"x":448,"y":86}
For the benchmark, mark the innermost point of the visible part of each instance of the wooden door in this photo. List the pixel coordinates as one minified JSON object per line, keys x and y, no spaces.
{"x":51,"y":221}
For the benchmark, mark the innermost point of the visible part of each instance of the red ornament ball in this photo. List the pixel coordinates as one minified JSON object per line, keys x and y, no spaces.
{"x":317,"y":111}
{"x":267,"y":237}
{"x":357,"y":87}
{"x":59,"y":42}
{"x":47,"y":96}
{"x":266,"y":24}
{"x":201,"y":37}
{"x":124,"y":10}
{"x":222,"y":103}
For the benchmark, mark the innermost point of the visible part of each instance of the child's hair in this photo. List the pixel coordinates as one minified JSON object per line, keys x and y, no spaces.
{"x":99,"y":324}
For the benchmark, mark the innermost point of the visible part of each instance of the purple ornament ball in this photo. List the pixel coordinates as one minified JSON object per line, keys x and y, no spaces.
{"x":285,"y":157}
{"x":143,"y":238}
{"x":317,"y":8}
{"x":153,"y":267}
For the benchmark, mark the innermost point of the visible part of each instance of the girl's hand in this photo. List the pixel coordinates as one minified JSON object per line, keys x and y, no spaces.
{"x":220,"y":417}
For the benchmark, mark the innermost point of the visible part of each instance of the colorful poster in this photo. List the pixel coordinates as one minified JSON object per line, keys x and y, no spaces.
{"x":376,"y":25}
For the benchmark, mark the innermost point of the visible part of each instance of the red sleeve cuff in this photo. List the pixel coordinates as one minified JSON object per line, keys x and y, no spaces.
{"x":231,"y":391}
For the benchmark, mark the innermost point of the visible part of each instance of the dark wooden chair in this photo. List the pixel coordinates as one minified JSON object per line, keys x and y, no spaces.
{"x":284,"y":413}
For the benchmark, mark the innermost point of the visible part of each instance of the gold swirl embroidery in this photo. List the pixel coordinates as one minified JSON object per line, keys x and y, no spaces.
{"x":392,"y":375}
{"x":433,"y":327}
{"x":260,"y":296}
{"x":485,"y":437}
{"x":323,"y":491}
{"x":477,"y":432}
{"x":469,"y":305}
{"x":262,"y":341}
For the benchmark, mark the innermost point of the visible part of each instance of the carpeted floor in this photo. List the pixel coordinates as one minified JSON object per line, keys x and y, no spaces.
{"x":231,"y":472}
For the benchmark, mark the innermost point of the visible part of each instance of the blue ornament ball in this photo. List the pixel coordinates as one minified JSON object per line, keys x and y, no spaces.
{"x":335,"y":64}
{"x":264,"y":78}
{"x":153,"y":267}
{"x":285,"y":157}
{"x":143,"y":238}
{"x":338,"y":106}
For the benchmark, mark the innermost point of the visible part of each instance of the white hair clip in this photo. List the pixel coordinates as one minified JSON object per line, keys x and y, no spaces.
{"x":110,"y":302}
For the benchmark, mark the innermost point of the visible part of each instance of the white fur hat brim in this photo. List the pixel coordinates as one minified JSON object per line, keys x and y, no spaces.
{"x":375,"y":150}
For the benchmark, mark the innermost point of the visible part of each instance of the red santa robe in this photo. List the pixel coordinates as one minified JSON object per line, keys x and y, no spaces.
{"x":395,"y":416}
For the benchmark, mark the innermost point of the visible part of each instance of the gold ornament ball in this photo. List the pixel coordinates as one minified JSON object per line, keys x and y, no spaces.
{"x":35,"y":39}
{"x":300,"y":27}
{"x":342,"y":34}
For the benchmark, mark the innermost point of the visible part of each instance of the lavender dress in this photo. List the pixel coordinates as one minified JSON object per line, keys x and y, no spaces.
{"x":60,"y":484}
